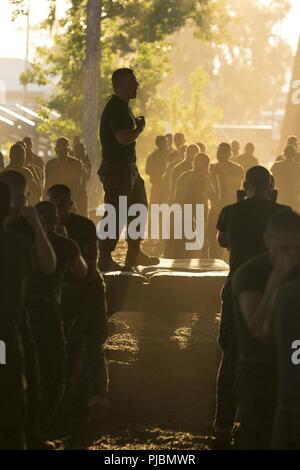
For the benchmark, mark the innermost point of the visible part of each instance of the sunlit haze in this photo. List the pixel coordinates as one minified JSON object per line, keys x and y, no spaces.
{"x":12,"y":42}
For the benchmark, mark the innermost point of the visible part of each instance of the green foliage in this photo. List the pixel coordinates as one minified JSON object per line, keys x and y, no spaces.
{"x":133,"y":32}
{"x":249,"y":68}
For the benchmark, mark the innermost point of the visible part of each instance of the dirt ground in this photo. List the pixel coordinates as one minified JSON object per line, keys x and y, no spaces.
{"x":162,"y":381}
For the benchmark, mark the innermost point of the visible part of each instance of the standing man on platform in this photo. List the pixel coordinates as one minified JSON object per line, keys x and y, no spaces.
{"x":119,"y":130}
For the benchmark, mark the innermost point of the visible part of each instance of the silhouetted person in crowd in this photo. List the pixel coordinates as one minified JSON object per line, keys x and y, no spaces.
{"x":255,"y":285}
{"x":241,"y":229}
{"x":155,"y":167}
{"x":170,"y":140}
{"x":235,"y":148}
{"x":84,"y":308}
{"x":173,"y":159}
{"x":202,"y":147}
{"x":229,"y":174}
{"x":119,"y":130}
{"x":64,"y":169}
{"x":16,"y":267}
{"x":247,"y":159}
{"x":194,"y":187}
{"x":185,"y":165}
{"x":293,"y":141}
{"x":17,"y":162}
{"x":226,"y":178}
{"x":287,"y":176}
{"x":35,"y":159}
{"x":79,"y":152}
{"x":24,"y":222}
{"x":44,"y":305}
{"x":1,"y":161}
{"x":284,"y":330}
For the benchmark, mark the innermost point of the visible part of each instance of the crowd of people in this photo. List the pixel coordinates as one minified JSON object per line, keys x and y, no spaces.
{"x":255,"y":214}
{"x":53,"y":317}
{"x":53,"y":307}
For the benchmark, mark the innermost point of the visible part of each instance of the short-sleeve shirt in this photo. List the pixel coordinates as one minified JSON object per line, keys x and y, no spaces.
{"x":287,"y":181}
{"x":117,"y":116}
{"x":82,"y":230}
{"x":245,"y":224}
{"x":252,"y":276}
{"x":50,"y":286}
{"x":67,"y":172}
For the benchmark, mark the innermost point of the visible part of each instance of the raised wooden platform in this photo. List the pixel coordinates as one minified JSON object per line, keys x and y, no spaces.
{"x":172,"y":286}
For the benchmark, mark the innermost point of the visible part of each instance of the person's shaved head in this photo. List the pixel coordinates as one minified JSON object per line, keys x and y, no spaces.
{"x":17,"y":155}
{"x":191,"y":151}
{"x":258,"y":177}
{"x":201,"y":162}
{"x":290,"y":152}
{"x":125,"y":84}
{"x":60,"y":196}
{"x":62,"y":147}
{"x":179,"y":140}
{"x":224,"y":152}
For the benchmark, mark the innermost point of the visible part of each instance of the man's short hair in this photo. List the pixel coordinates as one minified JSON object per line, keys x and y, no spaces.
{"x":249,"y":146}
{"x":160,"y":140}
{"x":119,"y":75}
{"x":59,"y":190}
{"x":17,"y":153}
{"x":13,"y":179}
{"x":290,"y":151}
{"x":202,"y":147}
{"x":62,"y":139}
{"x":284,"y":220}
{"x":292,"y":140}
{"x":224,"y":147}
{"x":201,"y":159}
{"x":4,"y":200}
{"x":258,"y":177}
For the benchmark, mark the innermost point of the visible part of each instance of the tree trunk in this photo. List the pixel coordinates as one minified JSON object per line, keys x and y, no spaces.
{"x":291,"y":123}
{"x":92,"y":81}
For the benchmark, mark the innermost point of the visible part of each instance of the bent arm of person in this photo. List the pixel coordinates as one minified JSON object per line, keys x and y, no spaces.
{"x":90,"y":254}
{"x":44,"y":252}
{"x":128,"y":136}
{"x":78,"y":267}
{"x":256,"y":306}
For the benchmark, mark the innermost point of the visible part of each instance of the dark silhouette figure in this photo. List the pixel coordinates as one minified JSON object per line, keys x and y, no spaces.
{"x":15,"y":269}
{"x":84,"y":308}
{"x":241,"y":230}
{"x":287,"y":177}
{"x":254,"y":286}
{"x":284,"y":329}
{"x":293,"y":141}
{"x":185,"y":165}
{"x":155,"y":167}
{"x":79,"y":152}
{"x":119,"y":130}
{"x":247,"y":159}
{"x":64,"y":169}
{"x":235,"y":148}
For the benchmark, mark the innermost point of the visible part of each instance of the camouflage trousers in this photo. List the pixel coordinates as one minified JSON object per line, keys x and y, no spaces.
{"x":256,"y":387}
